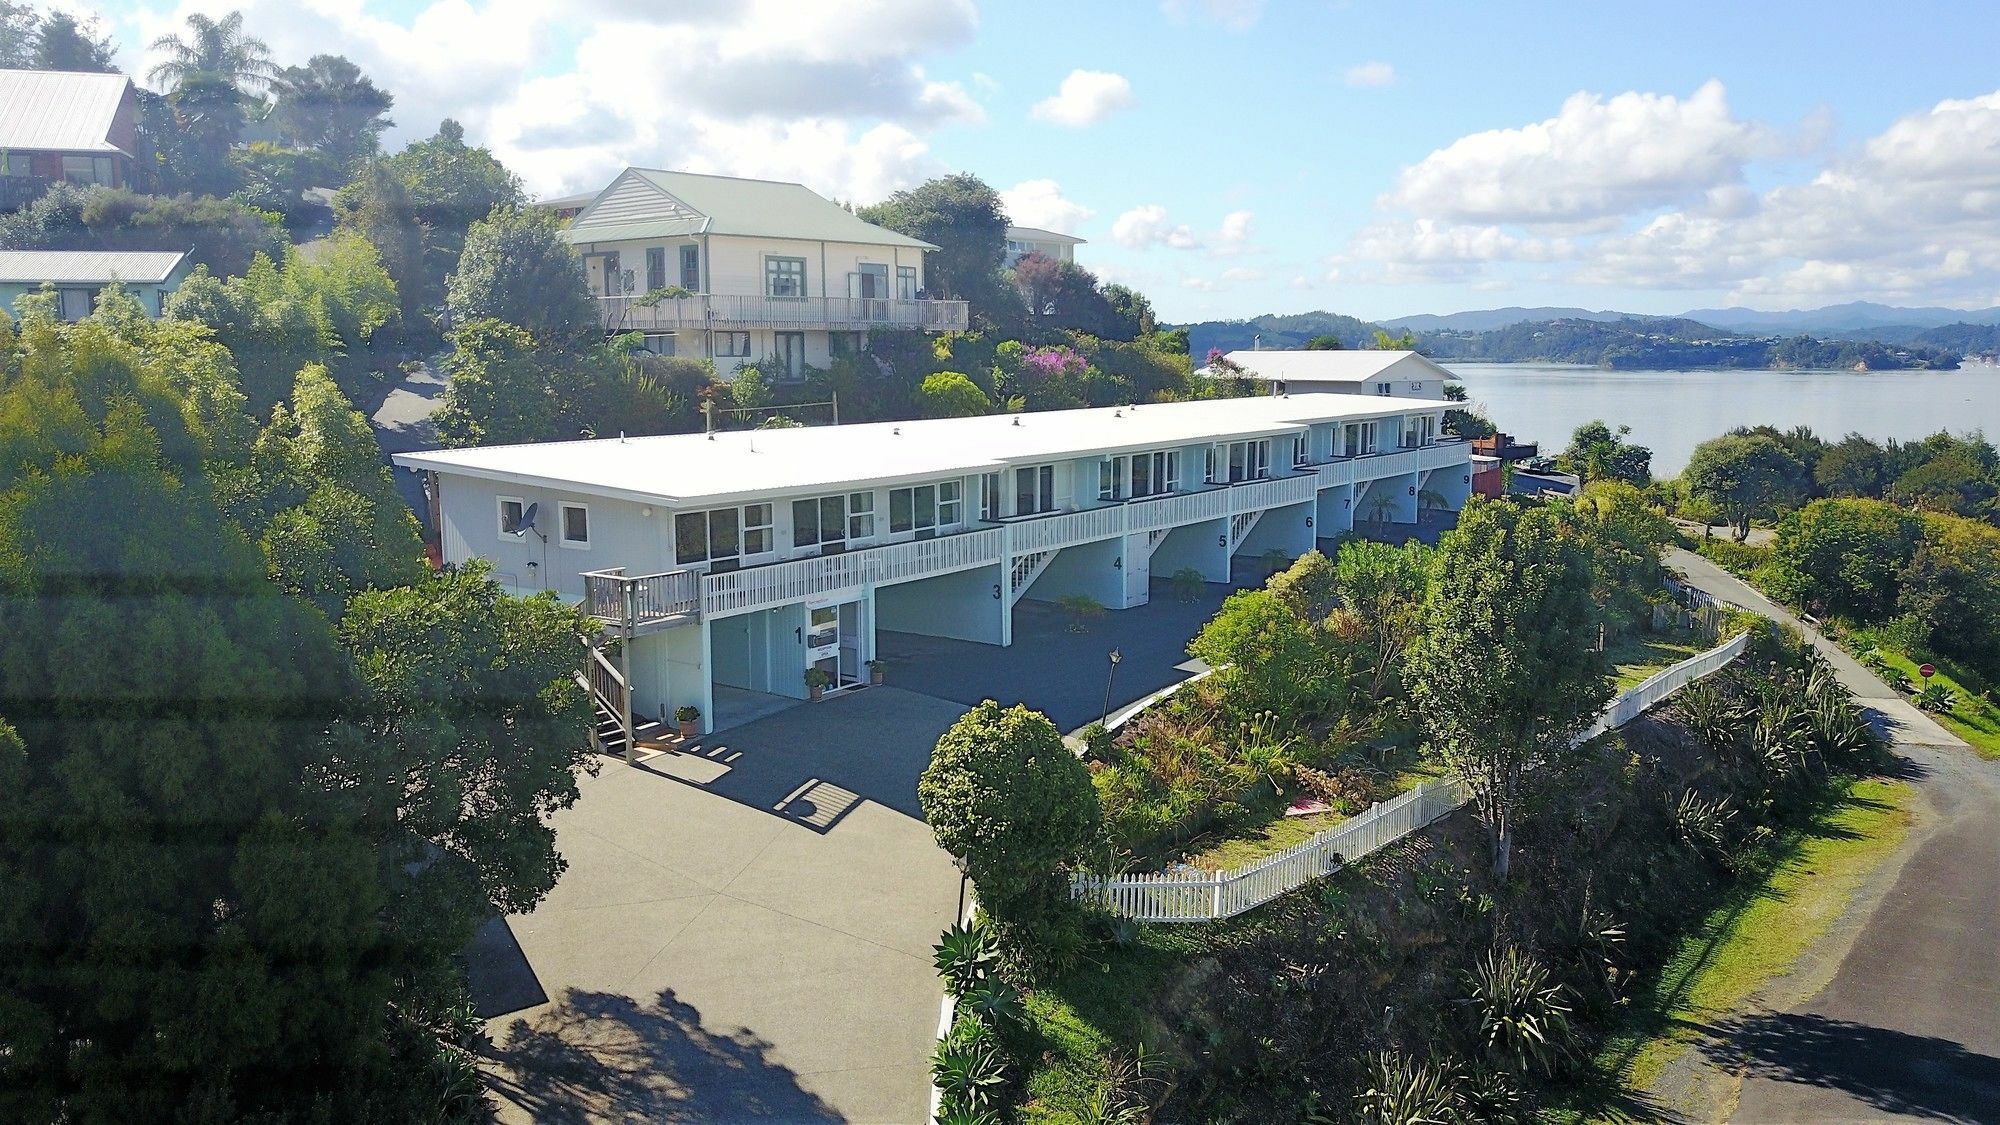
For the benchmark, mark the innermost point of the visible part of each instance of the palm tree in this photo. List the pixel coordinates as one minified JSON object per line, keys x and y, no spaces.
{"x":217,"y":49}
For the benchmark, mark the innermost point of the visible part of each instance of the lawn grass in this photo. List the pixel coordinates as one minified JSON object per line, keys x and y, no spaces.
{"x":1760,"y":932}
{"x":1973,"y":718}
{"x":1639,"y":655}
{"x":1406,"y":768}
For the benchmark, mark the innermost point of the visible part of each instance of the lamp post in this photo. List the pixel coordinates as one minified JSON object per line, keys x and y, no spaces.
{"x":1116,"y":656}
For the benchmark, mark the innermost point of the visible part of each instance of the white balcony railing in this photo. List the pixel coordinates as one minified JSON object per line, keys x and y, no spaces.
{"x":1173,"y":511}
{"x":1049,"y":532}
{"x":736,"y":311}
{"x":738,"y":591}
{"x":610,"y":595}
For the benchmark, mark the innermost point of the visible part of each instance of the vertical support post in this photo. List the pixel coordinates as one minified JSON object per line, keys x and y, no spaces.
{"x":625,"y":697}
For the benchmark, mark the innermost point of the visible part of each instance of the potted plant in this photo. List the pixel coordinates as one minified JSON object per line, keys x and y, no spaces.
{"x":876,"y":671}
{"x":689,"y":717}
{"x":816,"y":681}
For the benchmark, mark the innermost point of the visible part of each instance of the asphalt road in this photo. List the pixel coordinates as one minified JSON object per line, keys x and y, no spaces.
{"x":1908,"y":1027}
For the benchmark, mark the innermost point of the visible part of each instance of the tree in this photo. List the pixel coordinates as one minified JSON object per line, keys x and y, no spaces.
{"x":1953,"y":482}
{"x":1381,"y":592}
{"x":1844,"y":556}
{"x":1744,"y":477}
{"x":207,"y":114}
{"x":65,"y":43}
{"x":967,"y":223}
{"x":194,"y":920}
{"x":329,"y":105}
{"x":518,"y":267}
{"x":213,"y":49}
{"x":1132,"y":312}
{"x":949,"y":394}
{"x":1503,"y":677}
{"x":1010,"y":802}
{"x":446,"y":186}
{"x":1384,"y":342}
{"x":1853,"y":466}
{"x":498,"y":388}
{"x":473,"y":718}
{"x":18,"y":25}
{"x":1595,"y":453}
{"x":1324,"y":343}
{"x":1951,"y":590}
{"x":377,"y":207}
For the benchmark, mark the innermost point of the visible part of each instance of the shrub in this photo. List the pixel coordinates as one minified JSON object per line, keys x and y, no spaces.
{"x":1006,"y":797}
{"x":1936,"y":698}
{"x":1405,"y":1091}
{"x":949,"y":394}
{"x":1520,"y":1016}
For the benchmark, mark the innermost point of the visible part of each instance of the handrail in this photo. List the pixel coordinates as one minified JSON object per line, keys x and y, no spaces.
{"x":726,"y":310}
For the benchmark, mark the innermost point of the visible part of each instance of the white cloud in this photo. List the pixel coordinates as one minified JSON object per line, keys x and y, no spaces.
{"x":1242,"y":273}
{"x":1595,"y":157}
{"x":1040,"y":203}
{"x":1911,"y":215}
{"x":1234,"y":235}
{"x":1371,"y":74}
{"x":1149,"y":225}
{"x":1086,"y":97}
{"x":566,"y":93}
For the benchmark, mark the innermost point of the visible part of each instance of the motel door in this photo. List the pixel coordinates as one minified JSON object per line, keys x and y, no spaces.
{"x":833,"y":642}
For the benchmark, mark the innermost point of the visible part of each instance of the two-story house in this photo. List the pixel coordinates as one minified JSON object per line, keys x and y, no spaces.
{"x":745,"y":271}
{"x":1023,"y":241}
{"x":60,"y":126}
{"x":731,"y":563}
{"x":1399,"y":373}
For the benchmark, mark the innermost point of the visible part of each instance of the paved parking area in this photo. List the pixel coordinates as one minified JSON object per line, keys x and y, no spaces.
{"x":743,"y":933}
{"x":1056,"y":670}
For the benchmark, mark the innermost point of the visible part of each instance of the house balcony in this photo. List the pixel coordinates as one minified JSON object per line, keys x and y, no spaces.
{"x":641,"y":603}
{"x":732,"y":312}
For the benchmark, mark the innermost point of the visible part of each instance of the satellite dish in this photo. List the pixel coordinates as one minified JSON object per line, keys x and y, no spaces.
{"x":527,"y":521}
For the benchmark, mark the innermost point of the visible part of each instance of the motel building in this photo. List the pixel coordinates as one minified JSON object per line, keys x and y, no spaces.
{"x":726,"y":565}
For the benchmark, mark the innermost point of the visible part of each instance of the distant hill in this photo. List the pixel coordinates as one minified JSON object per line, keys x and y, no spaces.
{"x":1277,"y":332}
{"x":1668,"y":343}
{"x":1855,"y":317}
{"x":1485,"y":320}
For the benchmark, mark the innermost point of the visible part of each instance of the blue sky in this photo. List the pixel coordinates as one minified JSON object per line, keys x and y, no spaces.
{"x":1231,"y":157}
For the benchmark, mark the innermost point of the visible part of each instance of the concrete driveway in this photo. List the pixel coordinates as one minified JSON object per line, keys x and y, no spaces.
{"x":743,"y":934}
{"x":1906,"y":1025}
{"x":1057,"y":670}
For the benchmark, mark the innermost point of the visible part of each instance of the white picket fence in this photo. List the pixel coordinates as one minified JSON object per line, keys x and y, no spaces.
{"x":1207,"y":896}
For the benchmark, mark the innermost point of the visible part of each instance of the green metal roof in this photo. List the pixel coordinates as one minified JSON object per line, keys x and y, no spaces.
{"x":754,"y":208}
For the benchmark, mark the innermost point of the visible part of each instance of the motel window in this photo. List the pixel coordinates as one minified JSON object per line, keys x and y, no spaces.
{"x":1111,"y":478}
{"x":989,"y":497}
{"x":1381,"y":388}
{"x":951,"y":503}
{"x":916,"y":508}
{"x":15,"y":164}
{"x":830,"y":521}
{"x":1034,"y":490}
{"x":1156,"y":473}
{"x":906,"y":282}
{"x":656,"y":268}
{"x":861,"y":515}
{"x":1301,"y":450}
{"x":722,"y":534}
{"x":785,"y":277}
{"x":732,"y":344}
{"x":1249,"y":460}
{"x":511,"y":510}
{"x":575,"y":526}
{"x":1209,"y":465}
{"x":660,"y":343}
{"x":844,"y":343}
{"x":691,"y":268}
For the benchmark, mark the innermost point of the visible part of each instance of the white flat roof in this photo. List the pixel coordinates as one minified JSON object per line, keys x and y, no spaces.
{"x":1326,"y":367}
{"x":698,"y":470}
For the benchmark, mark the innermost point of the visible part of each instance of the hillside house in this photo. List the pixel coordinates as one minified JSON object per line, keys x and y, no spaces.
{"x":58,"y":126}
{"x":79,"y":275}
{"x":1397,"y":373}
{"x":743,"y":271}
